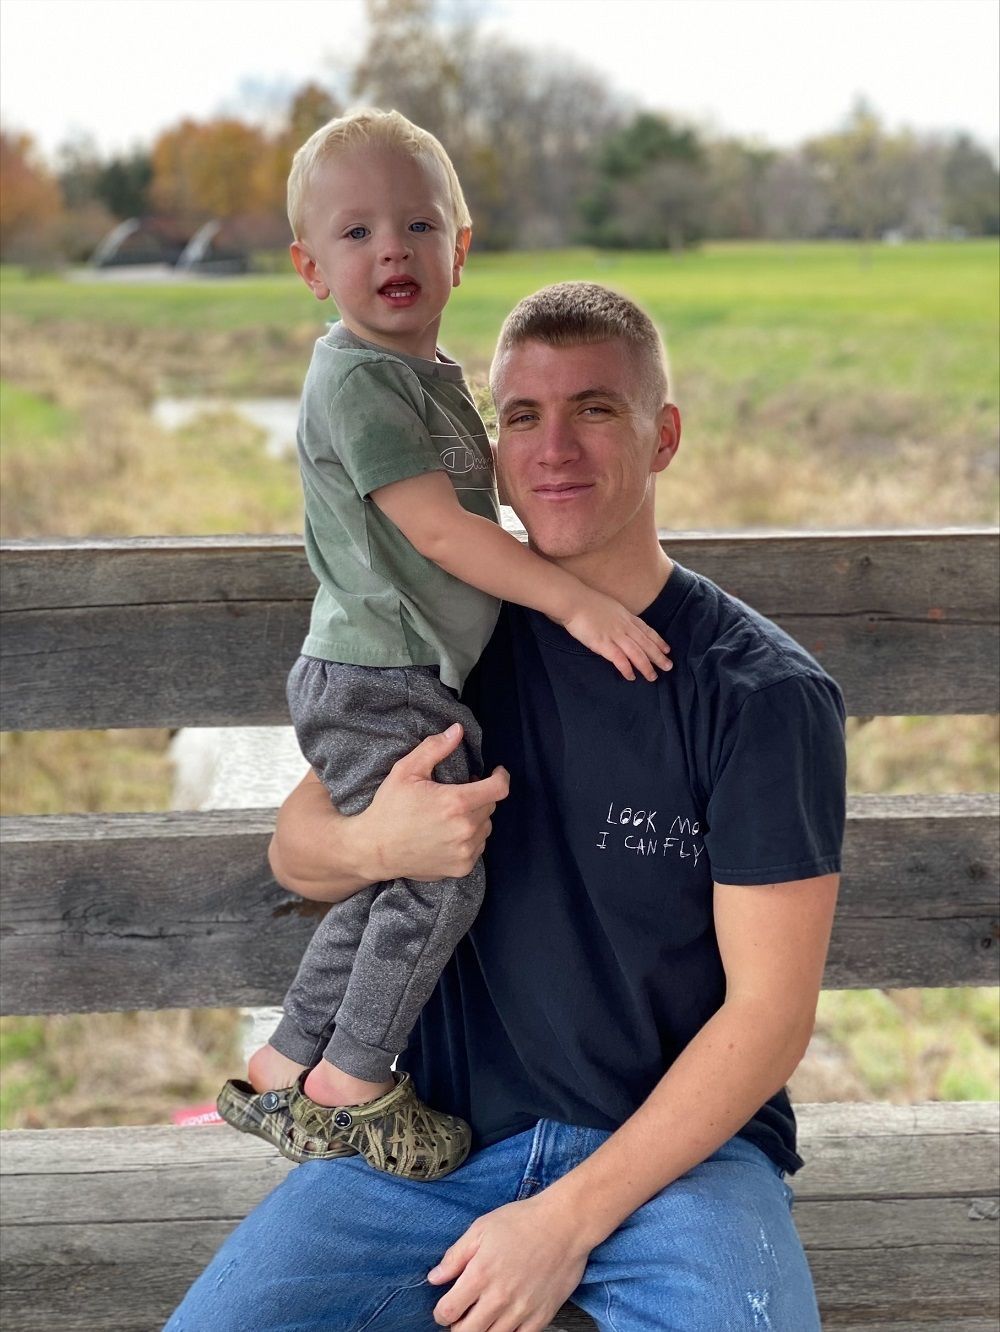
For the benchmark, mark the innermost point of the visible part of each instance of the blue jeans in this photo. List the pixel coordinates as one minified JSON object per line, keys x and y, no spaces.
{"x":338,"y":1247}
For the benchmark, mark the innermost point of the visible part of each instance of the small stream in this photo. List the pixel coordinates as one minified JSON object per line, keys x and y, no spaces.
{"x":277,"y":417}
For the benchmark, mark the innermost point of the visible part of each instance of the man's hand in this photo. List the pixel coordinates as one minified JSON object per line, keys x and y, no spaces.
{"x":427,"y":830}
{"x":513,"y":1270}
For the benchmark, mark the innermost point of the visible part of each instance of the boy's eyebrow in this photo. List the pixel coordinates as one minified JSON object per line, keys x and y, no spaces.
{"x":422,"y":207}
{"x":597,"y":391}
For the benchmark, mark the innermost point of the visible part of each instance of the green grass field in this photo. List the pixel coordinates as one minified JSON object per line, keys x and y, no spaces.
{"x":914,"y":318}
{"x":821,"y":386}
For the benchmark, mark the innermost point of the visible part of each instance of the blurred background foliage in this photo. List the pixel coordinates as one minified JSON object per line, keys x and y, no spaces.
{"x":549,"y":154}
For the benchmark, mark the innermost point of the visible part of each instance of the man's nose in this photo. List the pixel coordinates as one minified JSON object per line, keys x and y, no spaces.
{"x":557,"y":443}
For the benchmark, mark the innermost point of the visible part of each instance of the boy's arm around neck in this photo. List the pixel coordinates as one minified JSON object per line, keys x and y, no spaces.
{"x":427,"y":511}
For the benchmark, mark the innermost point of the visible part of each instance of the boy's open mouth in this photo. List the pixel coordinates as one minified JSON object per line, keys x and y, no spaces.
{"x":400,"y":290}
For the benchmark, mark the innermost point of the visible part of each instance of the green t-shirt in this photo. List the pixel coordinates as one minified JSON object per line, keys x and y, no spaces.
{"x":370,"y":417}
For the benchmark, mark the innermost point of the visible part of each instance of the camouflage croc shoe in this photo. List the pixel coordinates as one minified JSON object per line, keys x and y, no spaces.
{"x":396,"y":1133}
{"x":266,"y":1115}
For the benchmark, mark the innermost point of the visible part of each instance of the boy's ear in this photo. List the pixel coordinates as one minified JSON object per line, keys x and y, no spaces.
{"x":462,"y":242}
{"x":308,"y":270}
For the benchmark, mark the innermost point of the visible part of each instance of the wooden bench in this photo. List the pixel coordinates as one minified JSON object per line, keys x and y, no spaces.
{"x":105,"y":1228}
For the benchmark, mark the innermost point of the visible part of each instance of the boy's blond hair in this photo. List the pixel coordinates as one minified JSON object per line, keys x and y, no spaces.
{"x":368,"y":127}
{"x":573,"y":314}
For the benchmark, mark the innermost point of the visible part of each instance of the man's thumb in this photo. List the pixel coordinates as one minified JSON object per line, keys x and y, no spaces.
{"x":421,"y":762}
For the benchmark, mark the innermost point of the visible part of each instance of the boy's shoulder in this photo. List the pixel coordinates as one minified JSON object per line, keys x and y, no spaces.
{"x":340,"y":356}
{"x":369,"y":371}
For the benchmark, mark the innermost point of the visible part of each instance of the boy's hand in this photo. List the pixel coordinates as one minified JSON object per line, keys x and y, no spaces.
{"x":607,"y":628}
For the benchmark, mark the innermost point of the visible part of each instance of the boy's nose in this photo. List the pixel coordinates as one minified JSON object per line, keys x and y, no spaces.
{"x":394,"y":249}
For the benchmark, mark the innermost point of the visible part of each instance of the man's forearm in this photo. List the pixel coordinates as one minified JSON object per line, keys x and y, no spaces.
{"x":331,"y":853}
{"x":737,"y":1061}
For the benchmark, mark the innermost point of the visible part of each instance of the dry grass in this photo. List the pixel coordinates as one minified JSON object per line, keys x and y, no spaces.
{"x":113,"y":1068}
{"x":84,"y":772}
{"x":108,"y":470}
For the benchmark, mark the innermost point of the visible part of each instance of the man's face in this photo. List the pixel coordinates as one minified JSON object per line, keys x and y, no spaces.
{"x":380,"y":239}
{"x":579,"y":445}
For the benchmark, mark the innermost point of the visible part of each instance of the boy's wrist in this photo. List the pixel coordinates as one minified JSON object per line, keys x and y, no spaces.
{"x":562,"y":593}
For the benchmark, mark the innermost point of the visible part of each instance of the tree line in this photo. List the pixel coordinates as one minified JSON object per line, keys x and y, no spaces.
{"x":548,"y":154}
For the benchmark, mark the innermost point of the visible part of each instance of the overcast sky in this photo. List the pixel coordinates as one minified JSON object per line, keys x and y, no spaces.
{"x":780,"y":70}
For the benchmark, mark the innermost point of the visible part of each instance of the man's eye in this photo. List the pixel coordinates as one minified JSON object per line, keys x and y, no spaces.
{"x":420,"y":226}
{"x":600,"y":411}
{"x":520,"y":419}
{"x":357,"y":233}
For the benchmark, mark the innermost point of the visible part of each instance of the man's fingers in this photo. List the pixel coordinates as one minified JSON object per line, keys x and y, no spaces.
{"x":487,"y":791}
{"x":421,"y":761}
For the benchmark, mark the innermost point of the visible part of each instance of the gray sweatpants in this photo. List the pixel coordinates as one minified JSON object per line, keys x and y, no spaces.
{"x":375,"y":957}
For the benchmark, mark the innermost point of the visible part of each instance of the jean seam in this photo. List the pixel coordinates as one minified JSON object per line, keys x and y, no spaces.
{"x":385,"y":1303}
{"x":534,"y":1161}
{"x":607,"y":1308}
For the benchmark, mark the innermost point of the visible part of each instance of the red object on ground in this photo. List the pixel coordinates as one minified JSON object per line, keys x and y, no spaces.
{"x":197,"y":1116}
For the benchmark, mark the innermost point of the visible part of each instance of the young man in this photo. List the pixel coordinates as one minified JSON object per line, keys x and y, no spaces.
{"x":619,"y":1023}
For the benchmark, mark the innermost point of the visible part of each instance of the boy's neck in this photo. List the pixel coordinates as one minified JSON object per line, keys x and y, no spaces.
{"x":422,"y":343}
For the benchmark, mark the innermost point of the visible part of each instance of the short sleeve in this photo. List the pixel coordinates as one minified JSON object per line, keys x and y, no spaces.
{"x":777,"y":807}
{"x":377,"y":427}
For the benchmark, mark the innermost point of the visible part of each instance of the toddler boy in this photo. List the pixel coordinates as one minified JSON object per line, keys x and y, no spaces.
{"x":402,"y":531}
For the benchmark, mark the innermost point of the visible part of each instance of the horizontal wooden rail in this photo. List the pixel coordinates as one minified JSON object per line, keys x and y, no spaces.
{"x":130,"y":911}
{"x":201,"y":631}
{"x":106,"y":1228}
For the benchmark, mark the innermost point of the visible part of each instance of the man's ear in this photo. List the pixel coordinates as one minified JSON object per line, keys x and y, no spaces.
{"x":308,"y":270}
{"x":462,"y":242}
{"x":669,"y":439}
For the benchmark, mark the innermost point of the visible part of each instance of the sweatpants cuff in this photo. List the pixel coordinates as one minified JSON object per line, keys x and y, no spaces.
{"x":361,"y":1061}
{"x":294,"y":1043}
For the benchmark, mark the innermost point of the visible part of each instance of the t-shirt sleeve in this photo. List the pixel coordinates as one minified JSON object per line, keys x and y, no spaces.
{"x":777,"y":807}
{"x":377,"y":428}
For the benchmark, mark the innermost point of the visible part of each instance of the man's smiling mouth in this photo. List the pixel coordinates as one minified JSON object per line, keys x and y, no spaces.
{"x":563,"y":490}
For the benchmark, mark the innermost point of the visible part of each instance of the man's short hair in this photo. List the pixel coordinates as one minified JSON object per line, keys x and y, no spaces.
{"x":368,"y":127}
{"x":572,"y":314}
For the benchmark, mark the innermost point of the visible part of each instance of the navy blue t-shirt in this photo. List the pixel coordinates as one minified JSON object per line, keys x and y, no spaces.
{"x":594,"y":960}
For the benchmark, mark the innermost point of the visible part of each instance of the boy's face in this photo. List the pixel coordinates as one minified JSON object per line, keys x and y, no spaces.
{"x":380,"y":239}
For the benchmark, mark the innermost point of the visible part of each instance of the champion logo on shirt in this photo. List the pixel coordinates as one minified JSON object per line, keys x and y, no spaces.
{"x":460,"y":460}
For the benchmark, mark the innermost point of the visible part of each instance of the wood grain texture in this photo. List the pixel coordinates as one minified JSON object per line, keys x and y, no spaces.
{"x":101,"y":913}
{"x":105,"y":1228}
{"x":201,"y":631}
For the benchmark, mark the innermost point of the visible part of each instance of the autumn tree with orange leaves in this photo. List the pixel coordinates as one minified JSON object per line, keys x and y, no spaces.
{"x":30,"y":201}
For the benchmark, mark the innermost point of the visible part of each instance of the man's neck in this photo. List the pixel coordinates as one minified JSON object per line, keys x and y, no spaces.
{"x":633,"y":577}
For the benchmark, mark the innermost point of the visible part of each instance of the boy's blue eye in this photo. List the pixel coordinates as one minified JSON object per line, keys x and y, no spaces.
{"x":420,"y":226}
{"x":358,"y":233}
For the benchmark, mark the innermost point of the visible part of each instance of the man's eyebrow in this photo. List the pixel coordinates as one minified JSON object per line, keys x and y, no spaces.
{"x":597,"y":391}
{"x":518,"y":403}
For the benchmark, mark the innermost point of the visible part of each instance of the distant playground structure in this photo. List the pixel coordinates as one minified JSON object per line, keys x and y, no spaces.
{"x":212,"y":249}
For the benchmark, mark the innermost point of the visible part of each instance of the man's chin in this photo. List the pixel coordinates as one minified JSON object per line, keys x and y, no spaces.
{"x":555,"y":546}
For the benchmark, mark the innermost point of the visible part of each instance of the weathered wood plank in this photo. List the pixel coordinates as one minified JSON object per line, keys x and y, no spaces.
{"x":106,"y":912}
{"x":906,"y":621}
{"x":894,"y":1241}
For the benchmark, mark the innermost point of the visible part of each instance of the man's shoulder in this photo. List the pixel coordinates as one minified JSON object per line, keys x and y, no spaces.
{"x":733,"y":650}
